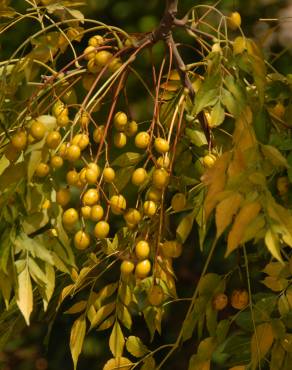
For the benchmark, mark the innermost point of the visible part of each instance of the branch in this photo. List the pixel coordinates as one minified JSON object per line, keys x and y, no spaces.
{"x":167,"y":21}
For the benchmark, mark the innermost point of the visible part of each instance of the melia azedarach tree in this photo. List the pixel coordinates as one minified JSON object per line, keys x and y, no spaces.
{"x":98,"y":199}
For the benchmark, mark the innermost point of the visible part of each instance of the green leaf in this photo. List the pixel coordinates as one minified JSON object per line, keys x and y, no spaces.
{"x":262,"y":126}
{"x":77,"y":336}
{"x":261,"y":342}
{"x":208,"y":94}
{"x":124,"y":316}
{"x":148,"y":364}
{"x":24,"y":296}
{"x":117,"y":340}
{"x":230,"y":102}
{"x":217,"y":115}
{"x":208,"y":284}
{"x":34,"y":160}
{"x":274,"y":156}
{"x":185,"y":227}
{"x":12,"y":174}
{"x":273,"y":245}
{"x":127,"y":159}
{"x":136,"y":347}
{"x":102,"y":314}
{"x":123,"y":176}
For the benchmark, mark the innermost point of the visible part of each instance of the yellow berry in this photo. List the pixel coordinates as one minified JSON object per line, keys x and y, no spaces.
{"x":131,"y":129}
{"x":91,"y":176}
{"x":73,"y":153}
{"x":160,"y":178}
{"x":90,"y":197}
{"x":142,"y":250}
{"x":70,"y":217}
{"x":37,"y":130}
{"x":239,"y":299}
{"x":84,"y":120}
{"x":154,"y":194}
{"x":109,"y":174}
{"x":102,"y":57}
{"x":96,"y":40}
{"x":19,"y":140}
{"x":149,"y":208}
{"x":142,"y":140}
{"x":132,"y":216}
{"x":89,"y":52}
{"x":42,"y":170}
{"x":171,"y":248}
{"x":127,"y":267}
{"x":101,"y":229}
{"x":10,"y":153}
{"x":56,"y":162}
{"x":139,"y":176}
{"x":98,"y":134}
{"x":120,"y":139}
{"x":63,"y":119}
{"x":59,"y":108}
{"x":63,"y":197}
{"x":143,"y":269}
{"x":81,"y":240}
{"x":120,"y":121}
{"x":53,"y":139}
{"x":72,"y":177}
{"x":81,"y":140}
{"x":96,"y":213}
{"x":118,"y":204}
{"x":209,"y":160}
{"x":86,"y":212}
{"x":161,"y":145}
{"x":163,"y":161}
{"x":234,"y":20}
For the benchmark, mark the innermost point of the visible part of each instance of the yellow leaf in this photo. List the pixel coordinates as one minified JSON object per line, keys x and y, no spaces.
{"x":215,"y":179}
{"x":244,"y":136}
{"x":225,"y":210}
{"x":261,"y":342}
{"x":77,"y":338}
{"x":117,"y":340}
{"x":102,"y":313}
{"x":24,"y":298}
{"x":77,"y":307}
{"x":245,"y":216}
{"x":240,"y":367}
{"x":273,"y":245}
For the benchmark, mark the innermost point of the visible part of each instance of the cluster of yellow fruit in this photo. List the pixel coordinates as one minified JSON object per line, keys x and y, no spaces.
{"x":91,"y":179}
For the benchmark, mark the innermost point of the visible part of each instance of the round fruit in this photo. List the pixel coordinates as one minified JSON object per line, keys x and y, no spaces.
{"x":132,"y":216}
{"x":239,"y":45}
{"x":142,"y":250}
{"x":82,"y":177}
{"x":59,"y":108}
{"x":109,"y":174}
{"x":72,"y":177}
{"x":70,"y":217}
{"x":89,"y":52}
{"x":127,"y":267}
{"x":86,"y":212}
{"x":101,"y":229}
{"x":209,"y":160}
{"x":53,"y":139}
{"x":118,"y":204}
{"x":143,"y":269}
{"x":63,"y":150}
{"x":19,"y":140}
{"x":171,"y":248}
{"x":96,"y":40}
{"x":82,"y":140}
{"x":63,"y":197}
{"x":139,"y":176}
{"x":56,"y":162}
{"x":114,"y":64}
{"x":96,"y":213}
{"x":73,"y":153}
{"x":42,"y":170}
{"x":10,"y":153}
{"x":81,"y":240}
{"x":283,"y":185}
{"x":239,"y":299}
{"x":149,"y":208}
{"x":90,"y":197}
{"x":142,"y":140}
{"x":87,"y":81}
{"x":98,"y":134}
{"x":120,"y":121}
{"x":131,"y":129}
{"x":234,"y":20}
{"x":63,"y":119}
{"x":161,"y":145}
{"x":220,"y":301}
{"x":154,"y":194}
{"x":163,"y":161}
{"x":120,"y":139}
{"x":102,"y":57}
{"x":37,"y":130}
{"x":160,"y":178}
{"x":46,"y":204}
{"x":178,"y":202}
{"x":155,"y":295}
{"x":91,"y":176}
{"x":92,"y":66}
{"x":95,"y":167}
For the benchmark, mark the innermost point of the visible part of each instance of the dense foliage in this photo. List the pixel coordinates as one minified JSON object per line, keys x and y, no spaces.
{"x":113,"y":211}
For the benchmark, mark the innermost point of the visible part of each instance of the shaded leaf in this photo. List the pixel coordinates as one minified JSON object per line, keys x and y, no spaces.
{"x":261,"y":342}
{"x":136,"y":347}
{"x":77,"y":336}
